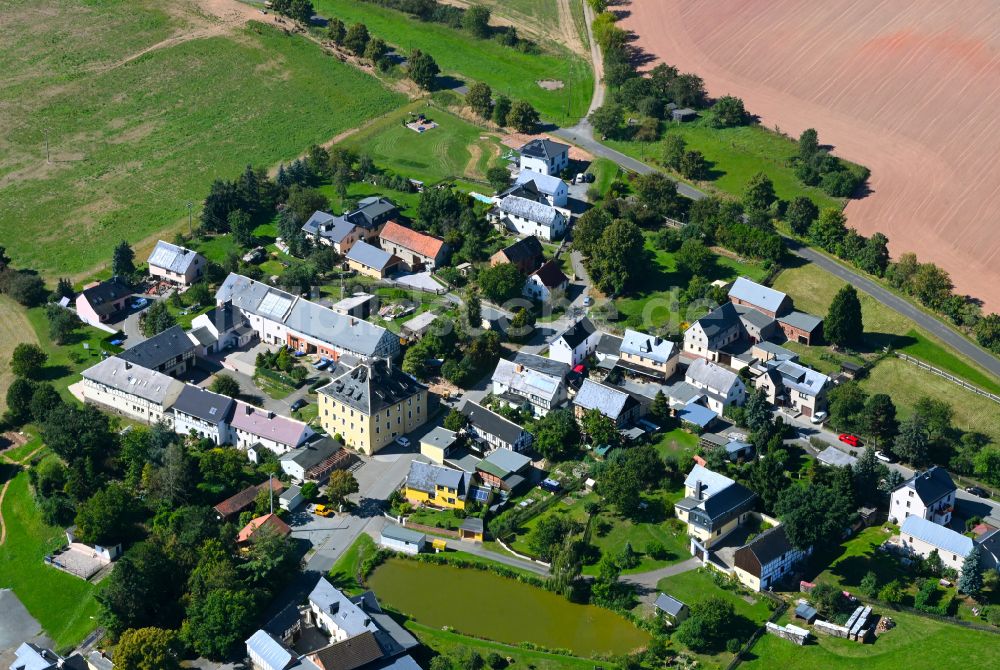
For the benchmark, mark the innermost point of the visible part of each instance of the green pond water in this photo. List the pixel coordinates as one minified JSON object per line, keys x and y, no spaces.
{"x":483,"y":604}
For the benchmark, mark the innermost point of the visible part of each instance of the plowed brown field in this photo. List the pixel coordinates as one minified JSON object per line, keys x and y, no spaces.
{"x":910,"y":89}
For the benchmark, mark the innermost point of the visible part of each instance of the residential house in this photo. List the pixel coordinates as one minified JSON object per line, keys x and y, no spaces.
{"x":766,"y":559}
{"x":527,"y":217}
{"x":176,"y":265}
{"x":734,"y":449}
{"x":204,"y":414}
{"x":921,"y":536}
{"x":438,"y":444}
{"x":226,"y":328}
{"x":494,"y":430}
{"x":314,"y":460}
{"x":709,"y":335}
{"x":371,"y":261}
{"x":576,"y":344}
{"x":278,"y":317}
{"x":696,"y":416}
{"x":333,"y":231}
{"x":170,"y":352}
{"x":103,"y":302}
{"x":130,"y":390}
{"x":757,"y":326}
{"x":29,"y":656}
{"x":721,"y":387}
{"x":929,"y":495}
{"x":436,"y":485}
{"x":269,"y":522}
{"x":551,"y":188}
{"x":769,"y":351}
{"x":531,"y":381}
{"x":267,"y":653}
{"x":544,"y":156}
{"x":671,"y":609}
{"x":254,"y":428}
{"x":371,"y":214}
{"x":789,"y":384}
{"x":801,"y":327}
{"x":712,"y":507}
{"x":545,"y":283}
{"x":526,"y":254}
{"x":759,"y":297}
{"x":617,"y":405}
{"x":371,"y":405}
{"x":504,"y":469}
{"x":648,"y":355}
{"x":418,"y":251}
{"x":404,"y":540}
{"x":231,"y":507}
{"x":608,"y":352}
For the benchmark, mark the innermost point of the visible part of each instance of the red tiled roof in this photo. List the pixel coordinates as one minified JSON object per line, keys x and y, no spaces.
{"x":417,"y":242}
{"x":269,"y":521}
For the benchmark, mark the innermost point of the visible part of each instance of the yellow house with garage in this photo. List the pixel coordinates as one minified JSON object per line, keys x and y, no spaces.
{"x":371,"y":405}
{"x":712,"y":507}
{"x":438,"y":486}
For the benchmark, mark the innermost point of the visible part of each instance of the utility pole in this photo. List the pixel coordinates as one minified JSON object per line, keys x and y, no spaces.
{"x":190,"y":225}
{"x":270,"y":491}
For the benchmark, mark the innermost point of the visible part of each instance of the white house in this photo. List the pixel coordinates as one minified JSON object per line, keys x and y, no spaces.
{"x":335,"y":614}
{"x":532,"y":381}
{"x":575,"y":344}
{"x":648,"y":355}
{"x":546,"y":282}
{"x":929,"y":495}
{"x":221,"y":328}
{"x":920,"y":536}
{"x":333,"y":231}
{"x":788,"y":384}
{"x":202,"y":413}
{"x":766,"y":559}
{"x":544,"y":156}
{"x":553,"y":189}
{"x":252,"y":426}
{"x":527,"y":217}
{"x":721,"y":387}
{"x":494,"y":430}
{"x":130,"y":390}
{"x":402,"y":539}
{"x":707,"y":336}
{"x":176,"y":265}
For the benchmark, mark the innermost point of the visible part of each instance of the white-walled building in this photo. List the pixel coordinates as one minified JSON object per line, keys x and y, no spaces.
{"x":526,"y":217}
{"x":533,"y":381}
{"x":721,"y":387}
{"x":546,"y":282}
{"x":575,"y":344}
{"x":176,"y":265}
{"x":552,"y":189}
{"x":921,"y":536}
{"x":929,"y":495}
{"x":130,"y":390}
{"x":252,"y":426}
{"x":202,"y":413}
{"x":544,"y":156}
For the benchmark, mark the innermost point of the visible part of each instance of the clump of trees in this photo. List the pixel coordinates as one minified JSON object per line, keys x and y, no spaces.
{"x":815,"y":166}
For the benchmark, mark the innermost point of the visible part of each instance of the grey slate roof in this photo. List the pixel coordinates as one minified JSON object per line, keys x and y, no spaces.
{"x":798,"y":377}
{"x":528,"y":248}
{"x":719,"y":320}
{"x":491,"y":422}
{"x":610,"y":402}
{"x":547,"y":184}
{"x":203,"y":404}
{"x":427,"y":476}
{"x":371,"y":387}
{"x":936,"y":535}
{"x":543,"y":148}
{"x":711,"y":482}
{"x":394,"y":532}
{"x":159,"y":349}
{"x":754,"y":318}
{"x":370,"y":256}
{"x":540,"y":213}
{"x":931,"y":485}
{"x":440,"y":437}
{"x":609,"y":345}
{"x":313,"y":452}
{"x":372,"y":211}
{"x":546,"y":366}
{"x":348,"y":616}
{"x":834,"y":457}
{"x":578,"y":332}
{"x":757,"y":294}
{"x":801,"y":320}
{"x":713,"y":376}
{"x":172,"y":257}
{"x":528,"y":382}
{"x":648,"y":346}
{"x":328,"y":226}
{"x":769,"y":546}
{"x":103,"y":296}
{"x":669,"y":604}
{"x":133,"y":379}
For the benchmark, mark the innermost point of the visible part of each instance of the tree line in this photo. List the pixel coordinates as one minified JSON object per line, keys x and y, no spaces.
{"x":421,"y":68}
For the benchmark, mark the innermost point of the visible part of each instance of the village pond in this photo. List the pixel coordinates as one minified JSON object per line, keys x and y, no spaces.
{"x":483,"y":604}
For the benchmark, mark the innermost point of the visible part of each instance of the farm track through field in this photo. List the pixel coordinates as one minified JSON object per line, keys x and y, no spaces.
{"x":565,"y":35}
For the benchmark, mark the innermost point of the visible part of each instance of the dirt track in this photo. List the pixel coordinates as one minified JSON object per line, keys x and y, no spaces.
{"x":908,"y":89}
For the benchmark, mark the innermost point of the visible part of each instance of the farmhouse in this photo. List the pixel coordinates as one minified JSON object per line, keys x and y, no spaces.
{"x":575,"y":344}
{"x":616,"y":405}
{"x":204,"y":414}
{"x":788,"y":384}
{"x":131,"y":390}
{"x":544,"y":156}
{"x":369,"y":260}
{"x":759,"y":297}
{"x":648,"y":355}
{"x":437,"y":485}
{"x":721,"y":387}
{"x":494,"y":430}
{"x":371,"y":405}
{"x":170,"y":352}
{"x":103,"y":302}
{"x":766,"y":559}
{"x":526,"y":254}
{"x":333,"y":231}
{"x":418,"y":251}
{"x":278,"y":317}
{"x":314,"y":460}
{"x":176,"y":265}
{"x":757,"y":326}
{"x":254,"y":428}
{"x":707,"y":336}
{"x":920,"y":536}
{"x":929,"y":495}
{"x":713,"y":506}
{"x":526,"y":217}
{"x":551,"y":189}
{"x":531,"y":381}
{"x":546,"y":282}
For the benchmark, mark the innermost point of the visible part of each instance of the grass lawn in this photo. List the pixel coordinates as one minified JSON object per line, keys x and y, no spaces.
{"x":847,"y":563}
{"x":649,"y":304}
{"x":604,"y":171}
{"x":680,"y":443}
{"x":916,"y":643}
{"x":132,"y":143}
{"x":14,"y":329}
{"x":64,"y":605}
{"x":697,"y":585}
{"x":508,"y":71}
{"x":344,"y":571}
{"x":438,"y":518}
{"x":735,"y":155}
{"x":272,"y":387}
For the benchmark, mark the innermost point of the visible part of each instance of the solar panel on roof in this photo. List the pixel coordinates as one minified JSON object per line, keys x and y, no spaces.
{"x":274,"y":305}
{"x":480,"y":495}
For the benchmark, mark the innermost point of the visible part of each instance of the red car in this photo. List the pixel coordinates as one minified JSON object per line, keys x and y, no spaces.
{"x":852,"y":440}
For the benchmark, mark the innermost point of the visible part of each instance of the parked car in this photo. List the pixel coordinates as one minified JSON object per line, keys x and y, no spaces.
{"x":647,"y":426}
{"x":884,"y":457}
{"x":851,"y":440}
{"x":587,"y":301}
{"x":977,"y":491}
{"x":551,"y":485}
{"x":403,"y":441}
{"x":139,"y":303}
{"x":299,"y":404}
{"x":322,"y":364}
{"x":323,"y":510}
{"x":818,"y":417}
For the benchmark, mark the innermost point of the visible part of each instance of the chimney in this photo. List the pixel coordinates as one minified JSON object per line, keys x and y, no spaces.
{"x":270,"y":414}
{"x":697,"y":490}
{"x":128,"y":366}
{"x":519,"y":368}
{"x":248,"y":409}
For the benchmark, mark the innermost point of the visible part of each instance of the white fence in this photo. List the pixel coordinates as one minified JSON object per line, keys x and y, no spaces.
{"x":950,"y":377}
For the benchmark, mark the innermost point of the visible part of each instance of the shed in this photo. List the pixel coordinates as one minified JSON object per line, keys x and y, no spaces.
{"x":806,"y":612}
{"x":402,"y":539}
{"x":850,"y":369}
{"x":472,"y":529}
{"x":290,"y":498}
{"x":672,"y":609}
{"x":683,"y":114}
{"x":836,"y":458}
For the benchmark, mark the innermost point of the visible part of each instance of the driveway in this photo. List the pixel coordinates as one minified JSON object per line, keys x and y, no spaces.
{"x":645,"y":582}
{"x":422,"y":281}
{"x":17,"y":626}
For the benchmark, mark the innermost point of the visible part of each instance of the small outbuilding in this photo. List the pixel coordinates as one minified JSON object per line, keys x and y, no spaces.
{"x":683,"y":114}
{"x":670,"y":608}
{"x":291,"y":498}
{"x":806,"y":612}
{"x":402,"y":539}
{"x":472,"y":529}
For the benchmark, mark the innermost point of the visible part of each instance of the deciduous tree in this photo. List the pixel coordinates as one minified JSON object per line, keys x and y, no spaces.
{"x":801,"y":213}
{"x":480,"y":99}
{"x":27,"y":360}
{"x":523,"y":117}
{"x":148,"y":649}
{"x":557,"y":435}
{"x":356,"y":40}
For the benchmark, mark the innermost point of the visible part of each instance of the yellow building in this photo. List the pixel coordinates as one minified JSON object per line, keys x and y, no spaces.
{"x":437,"y":444}
{"x":371,"y":405}
{"x":712,"y":507}
{"x":429,"y":484}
